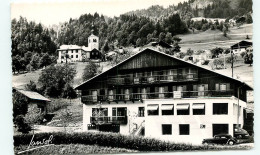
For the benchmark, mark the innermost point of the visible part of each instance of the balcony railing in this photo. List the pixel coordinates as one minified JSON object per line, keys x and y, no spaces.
{"x":156,"y":95}
{"x":108,"y":119}
{"x":152,"y":79}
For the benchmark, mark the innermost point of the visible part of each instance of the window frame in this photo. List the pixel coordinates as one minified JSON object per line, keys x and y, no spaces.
{"x":166,"y":127}
{"x":219,"y":112}
{"x":181,"y":132}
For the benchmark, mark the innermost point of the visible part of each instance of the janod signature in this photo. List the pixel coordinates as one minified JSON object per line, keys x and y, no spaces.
{"x":38,"y":144}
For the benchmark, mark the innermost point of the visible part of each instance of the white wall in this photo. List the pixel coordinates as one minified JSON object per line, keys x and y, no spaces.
{"x":153,"y":124}
{"x":132,"y":112}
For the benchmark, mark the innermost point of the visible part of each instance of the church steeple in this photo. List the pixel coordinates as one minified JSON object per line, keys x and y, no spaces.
{"x":92,"y":28}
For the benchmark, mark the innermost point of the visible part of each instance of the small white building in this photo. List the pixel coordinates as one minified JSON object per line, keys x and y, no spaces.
{"x":241,"y":46}
{"x":75,"y":53}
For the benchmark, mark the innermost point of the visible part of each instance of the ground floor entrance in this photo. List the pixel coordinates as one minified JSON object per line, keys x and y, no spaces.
{"x":219,"y":129}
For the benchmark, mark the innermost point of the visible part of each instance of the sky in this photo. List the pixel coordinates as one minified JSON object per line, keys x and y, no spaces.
{"x":50,"y":12}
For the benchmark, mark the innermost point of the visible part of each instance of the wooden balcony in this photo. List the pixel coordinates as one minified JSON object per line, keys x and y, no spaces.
{"x":90,"y":99}
{"x":108,"y":120}
{"x":152,"y":79}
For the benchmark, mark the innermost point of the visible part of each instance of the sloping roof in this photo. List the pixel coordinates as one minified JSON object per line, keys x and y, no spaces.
{"x":33,"y":95}
{"x":64,"y":47}
{"x":165,"y":55}
{"x":242,"y":44}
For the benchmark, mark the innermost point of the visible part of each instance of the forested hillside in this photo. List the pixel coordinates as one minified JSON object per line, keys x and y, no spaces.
{"x":124,"y":30}
{"x":32,"y":45}
{"x":196,"y":8}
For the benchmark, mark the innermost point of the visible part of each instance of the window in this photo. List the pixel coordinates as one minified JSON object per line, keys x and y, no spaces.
{"x":127,"y":96}
{"x":77,"y":56}
{"x":183,"y":109}
{"x":94,"y":40}
{"x":76,"y":51}
{"x":184,"y":129}
{"x":71,"y":51}
{"x":167,"y":109}
{"x":152,"y":109}
{"x":166,"y":129}
{"x":99,"y":112}
{"x":198,"y":108}
{"x":220,"y":108}
{"x":222,"y":86}
{"x":140,"y":111}
{"x":71,"y":56}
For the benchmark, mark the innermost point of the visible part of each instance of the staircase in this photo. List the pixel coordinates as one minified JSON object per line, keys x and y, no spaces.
{"x":138,"y":130}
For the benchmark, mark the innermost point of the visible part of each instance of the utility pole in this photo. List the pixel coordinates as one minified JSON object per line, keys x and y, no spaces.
{"x":232,"y":62}
{"x":238,"y":109}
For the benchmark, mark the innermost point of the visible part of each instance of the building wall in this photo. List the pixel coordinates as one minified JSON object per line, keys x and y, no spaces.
{"x":153,"y":124}
{"x":196,"y":134}
{"x":93,"y":42}
{"x":75,"y":55}
{"x":132,"y":114}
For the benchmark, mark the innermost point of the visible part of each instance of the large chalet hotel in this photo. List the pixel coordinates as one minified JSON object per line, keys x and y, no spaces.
{"x":159,"y":96}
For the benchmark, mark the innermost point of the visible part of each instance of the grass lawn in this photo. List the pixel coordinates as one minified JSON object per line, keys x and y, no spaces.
{"x":214,"y":38}
{"x":73,"y":149}
{"x":75,"y":110}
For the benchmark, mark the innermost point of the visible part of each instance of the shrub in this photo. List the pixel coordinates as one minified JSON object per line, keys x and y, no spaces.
{"x":229,"y":59}
{"x":22,"y":125}
{"x":56,"y":104}
{"x":243,"y":54}
{"x":114,"y":140}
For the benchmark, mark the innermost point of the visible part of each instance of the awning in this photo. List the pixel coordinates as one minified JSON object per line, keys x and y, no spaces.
{"x":167,"y":106}
{"x":198,"y":106}
{"x":152,"y":107}
{"x":183,"y":106}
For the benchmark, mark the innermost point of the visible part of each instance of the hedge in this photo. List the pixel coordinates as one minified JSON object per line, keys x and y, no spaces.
{"x":111,"y":140}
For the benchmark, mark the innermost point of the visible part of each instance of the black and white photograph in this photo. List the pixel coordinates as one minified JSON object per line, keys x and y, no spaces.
{"x":132,"y":76}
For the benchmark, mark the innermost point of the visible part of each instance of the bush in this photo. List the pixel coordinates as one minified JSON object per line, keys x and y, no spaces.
{"x":21,"y":124}
{"x":56,"y":104}
{"x":180,"y":55}
{"x":243,"y":54}
{"x":115,"y":140}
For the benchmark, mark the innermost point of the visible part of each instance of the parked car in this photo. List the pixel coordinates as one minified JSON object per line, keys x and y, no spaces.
{"x":241,"y":133}
{"x":220,"y":139}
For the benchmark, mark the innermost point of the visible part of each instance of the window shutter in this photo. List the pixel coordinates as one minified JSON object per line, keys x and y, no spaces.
{"x":206,"y":87}
{"x":114,"y":91}
{"x":156,"y":89}
{"x":148,"y":89}
{"x":166,"y":89}
{"x":217,"y":86}
{"x":174,"y":88}
{"x":184,"y":88}
{"x":195,"y":88}
{"x":228,"y":86}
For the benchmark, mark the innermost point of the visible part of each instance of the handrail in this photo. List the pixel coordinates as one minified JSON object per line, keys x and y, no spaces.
{"x":157,"y":95}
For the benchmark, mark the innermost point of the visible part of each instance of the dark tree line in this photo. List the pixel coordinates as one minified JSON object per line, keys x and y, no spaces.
{"x":32,"y":46}
{"x":124,"y":30}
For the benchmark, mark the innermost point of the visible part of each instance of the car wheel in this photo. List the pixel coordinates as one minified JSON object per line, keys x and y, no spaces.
{"x":239,"y":136}
{"x":231,"y":142}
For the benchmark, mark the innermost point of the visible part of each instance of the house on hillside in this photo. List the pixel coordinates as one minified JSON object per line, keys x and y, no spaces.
{"x":241,"y":46}
{"x":161,"y":46}
{"x":75,"y":53}
{"x":35,"y":98}
{"x":160,"y":96}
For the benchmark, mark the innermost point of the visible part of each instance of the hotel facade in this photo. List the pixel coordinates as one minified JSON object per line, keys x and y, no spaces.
{"x":156,"y":95}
